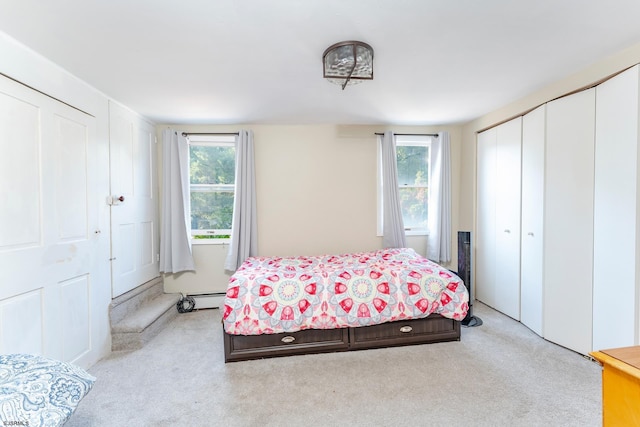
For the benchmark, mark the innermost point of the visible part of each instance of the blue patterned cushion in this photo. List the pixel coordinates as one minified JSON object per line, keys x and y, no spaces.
{"x":36,"y":391}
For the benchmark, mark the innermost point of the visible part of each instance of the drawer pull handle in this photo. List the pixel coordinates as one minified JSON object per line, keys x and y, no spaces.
{"x":406,"y":329}
{"x":288,"y":339}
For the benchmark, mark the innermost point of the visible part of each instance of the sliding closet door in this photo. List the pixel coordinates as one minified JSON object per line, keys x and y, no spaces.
{"x":498,"y":228}
{"x":486,"y":218}
{"x":533,"y":138}
{"x":508,"y":176}
{"x":568,"y":221}
{"x":615,"y":272}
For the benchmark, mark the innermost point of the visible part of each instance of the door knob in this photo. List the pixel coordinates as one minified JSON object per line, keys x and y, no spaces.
{"x":114,"y":200}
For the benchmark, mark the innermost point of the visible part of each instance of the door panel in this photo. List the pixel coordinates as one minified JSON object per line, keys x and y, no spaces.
{"x":20,"y":173}
{"x":498,"y":229}
{"x":486,"y":217}
{"x":568,"y":219}
{"x":615,"y":269}
{"x":533,"y":135}
{"x":508,"y":169}
{"x":26,"y":311}
{"x":75,"y":319}
{"x":50,"y":238}
{"x":70,"y":146}
{"x":134,"y":221}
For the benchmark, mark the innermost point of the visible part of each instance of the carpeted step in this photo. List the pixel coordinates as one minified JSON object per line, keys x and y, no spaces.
{"x":139,"y":326}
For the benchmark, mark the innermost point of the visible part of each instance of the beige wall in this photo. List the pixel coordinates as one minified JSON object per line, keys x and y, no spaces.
{"x":317,"y":183}
{"x":590,"y":75}
{"x":316,"y":194}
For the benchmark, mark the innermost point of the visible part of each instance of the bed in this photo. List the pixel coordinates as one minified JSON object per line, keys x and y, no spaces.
{"x":280,"y":306}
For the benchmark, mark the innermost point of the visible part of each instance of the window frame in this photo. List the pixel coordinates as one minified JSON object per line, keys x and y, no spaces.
{"x":210,"y":141}
{"x":402,"y":140}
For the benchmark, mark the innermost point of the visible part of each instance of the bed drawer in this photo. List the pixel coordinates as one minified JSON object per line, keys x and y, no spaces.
{"x":434,"y":328}
{"x":244,"y":347}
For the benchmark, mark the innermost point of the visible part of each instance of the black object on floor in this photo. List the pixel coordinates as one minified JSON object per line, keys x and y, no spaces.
{"x":470,"y":321}
{"x":464,"y":272}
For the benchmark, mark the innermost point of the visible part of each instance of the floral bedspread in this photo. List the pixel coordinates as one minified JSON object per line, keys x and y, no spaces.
{"x":268,"y":295}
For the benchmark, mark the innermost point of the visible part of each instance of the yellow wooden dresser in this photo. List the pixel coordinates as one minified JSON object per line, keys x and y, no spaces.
{"x":620,"y":385}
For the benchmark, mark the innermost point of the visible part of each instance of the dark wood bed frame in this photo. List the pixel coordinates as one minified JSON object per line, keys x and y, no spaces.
{"x":433,"y":328}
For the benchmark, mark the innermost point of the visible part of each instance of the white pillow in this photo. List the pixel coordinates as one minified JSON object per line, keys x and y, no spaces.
{"x":37,"y":391}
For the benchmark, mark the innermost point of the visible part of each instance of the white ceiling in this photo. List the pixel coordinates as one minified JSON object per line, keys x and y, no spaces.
{"x":259,"y":61}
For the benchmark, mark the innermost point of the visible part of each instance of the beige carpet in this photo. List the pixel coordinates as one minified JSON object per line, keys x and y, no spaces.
{"x":499,"y":374}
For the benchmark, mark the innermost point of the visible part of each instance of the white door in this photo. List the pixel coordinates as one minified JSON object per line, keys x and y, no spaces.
{"x":568,"y":221}
{"x":533,"y":134}
{"x":53,"y":249}
{"x":507,"y":258}
{"x":134,"y":213}
{"x":615,"y":274}
{"x":486,"y":218}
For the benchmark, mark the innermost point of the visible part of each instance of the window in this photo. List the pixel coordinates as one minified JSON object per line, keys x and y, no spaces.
{"x":212,"y":168}
{"x":414,"y":168}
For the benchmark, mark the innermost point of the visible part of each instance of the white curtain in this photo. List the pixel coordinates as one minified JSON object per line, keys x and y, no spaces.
{"x":439,"y":240}
{"x":393,"y":235}
{"x":244,"y":228}
{"x":175,"y":237}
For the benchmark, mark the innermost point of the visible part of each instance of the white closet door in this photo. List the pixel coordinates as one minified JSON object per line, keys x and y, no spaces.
{"x":508,"y":176}
{"x":486,"y":218}
{"x":568,"y":219}
{"x":134,"y":220}
{"x":53,"y":254}
{"x":533,"y":134}
{"x":615,"y":278}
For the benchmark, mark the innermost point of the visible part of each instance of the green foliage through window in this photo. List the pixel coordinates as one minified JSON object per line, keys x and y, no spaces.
{"x":212,"y":179}
{"x":413,"y":179}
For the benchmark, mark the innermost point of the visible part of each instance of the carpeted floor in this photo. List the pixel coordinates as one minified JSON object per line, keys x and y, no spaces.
{"x":499,"y":374}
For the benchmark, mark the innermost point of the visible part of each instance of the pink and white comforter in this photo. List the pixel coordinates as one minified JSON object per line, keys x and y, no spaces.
{"x":268,"y":295}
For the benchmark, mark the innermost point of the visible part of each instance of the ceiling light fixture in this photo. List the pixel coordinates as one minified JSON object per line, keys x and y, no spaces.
{"x":348,"y":63}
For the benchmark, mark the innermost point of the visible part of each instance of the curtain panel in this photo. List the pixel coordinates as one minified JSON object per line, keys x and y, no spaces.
{"x":244,"y":226}
{"x":439,"y":239}
{"x":393,"y":235}
{"x":175,"y":235}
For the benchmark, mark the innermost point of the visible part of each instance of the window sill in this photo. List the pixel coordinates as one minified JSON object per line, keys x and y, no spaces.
{"x":416,"y":233}
{"x":198,"y":242}
{"x":409,"y":233}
